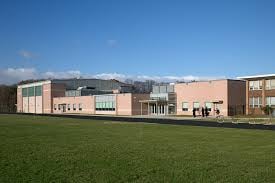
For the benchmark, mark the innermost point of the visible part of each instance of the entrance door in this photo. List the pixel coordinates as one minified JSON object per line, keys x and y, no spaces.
{"x":64,"y":108}
{"x":161,"y":109}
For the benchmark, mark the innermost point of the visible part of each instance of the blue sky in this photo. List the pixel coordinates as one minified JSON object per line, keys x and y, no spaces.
{"x":138,"y":37}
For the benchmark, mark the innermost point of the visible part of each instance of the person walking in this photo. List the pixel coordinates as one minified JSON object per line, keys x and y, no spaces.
{"x":218,"y":113}
{"x":194,"y":112}
{"x":206,"y":112}
{"x":202,"y":112}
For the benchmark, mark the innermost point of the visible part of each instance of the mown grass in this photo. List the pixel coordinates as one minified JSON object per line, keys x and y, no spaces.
{"x":47,"y":149}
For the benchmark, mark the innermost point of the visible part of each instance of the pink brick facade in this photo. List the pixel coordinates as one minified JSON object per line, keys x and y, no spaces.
{"x":83,"y":105}
{"x":126,"y":104}
{"x":41,"y":103}
{"x":231,"y":93}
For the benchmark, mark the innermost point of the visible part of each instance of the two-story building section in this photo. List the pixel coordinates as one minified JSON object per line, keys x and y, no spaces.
{"x":260,"y":92}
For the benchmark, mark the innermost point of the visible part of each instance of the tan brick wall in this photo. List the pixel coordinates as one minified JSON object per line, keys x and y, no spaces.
{"x":124,"y":104}
{"x":202,"y":92}
{"x":47,"y":98}
{"x":86,"y":101}
{"x":38,"y":102}
{"x":19,"y":100}
{"x":32,"y":104}
{"x":49,"y":92}
{"x":26,"y":104}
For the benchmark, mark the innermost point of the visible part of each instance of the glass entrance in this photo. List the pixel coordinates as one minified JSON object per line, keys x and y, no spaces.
{"x":159,"y":109}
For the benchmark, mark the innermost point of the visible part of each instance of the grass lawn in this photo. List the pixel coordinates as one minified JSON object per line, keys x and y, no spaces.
{"x":48,"y":149}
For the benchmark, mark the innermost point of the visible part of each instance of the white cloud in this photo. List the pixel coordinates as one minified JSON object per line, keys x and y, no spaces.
{"x":14,"y":75}
{"x":63,"y":75}
{"x":26,"y":54}
{"x":117,"y":76}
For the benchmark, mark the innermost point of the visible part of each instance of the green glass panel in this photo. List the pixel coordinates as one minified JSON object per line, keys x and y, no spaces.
{"x":24,"y":92}
{"x":31,"y":91}
{"x":108,"y":104}
{"x":38,"y":91}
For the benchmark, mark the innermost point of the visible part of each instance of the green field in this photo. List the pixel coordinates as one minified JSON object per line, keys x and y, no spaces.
{"x":48,"y":149}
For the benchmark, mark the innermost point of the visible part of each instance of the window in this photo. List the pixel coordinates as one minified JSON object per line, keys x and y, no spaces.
{"x":74,"y":107}
{"x":59,"y":107}
{"x":208,"y":105}
{"x":38,"y":91}
{"x":69,"y":107}
{"x":255,"y":102}
{"x":105,"y":103}
{"x":24,"y":92}
{"x":270,"y":101}
{"x":270,"y":84}
{"x":196,"y":106}
{"x":80,"y":106}
{"x":184,"y":106}
{"x":31,"y":91}
{"x":255,"y":85}
{"x":54,"y":107}
{"x":251,"y":102}
{"x":260,"y":101}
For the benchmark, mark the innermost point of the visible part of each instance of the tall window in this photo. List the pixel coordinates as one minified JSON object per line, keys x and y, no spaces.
{"x":80,"y":106}
{"x":255,"y":85}
{"x":270,"y":84}
{"x":270,"y":101}
{"x":105,"y":103}
{"x":74,"y":107}
{"x":54,"y":106}
{"x":255,"y":102}
{"x":31,"y":91}
{"x":208,"y":105}
{"x":184,"y":106}
{"x":24,"y":92}
{"x":69,"y":107}
{"x":196,"y":106}
{"x":38,"y":90}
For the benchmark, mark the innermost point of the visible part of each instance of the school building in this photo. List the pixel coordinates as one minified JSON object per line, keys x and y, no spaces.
{"x":111,"y":97}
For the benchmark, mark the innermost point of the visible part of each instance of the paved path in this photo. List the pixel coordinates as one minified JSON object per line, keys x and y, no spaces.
{"x":166,"y":120}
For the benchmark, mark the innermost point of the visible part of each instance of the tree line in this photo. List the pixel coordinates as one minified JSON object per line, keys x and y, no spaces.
{"x":8,"y":97}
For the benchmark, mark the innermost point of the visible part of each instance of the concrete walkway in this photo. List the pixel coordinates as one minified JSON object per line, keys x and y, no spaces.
{"x":207,"y":122}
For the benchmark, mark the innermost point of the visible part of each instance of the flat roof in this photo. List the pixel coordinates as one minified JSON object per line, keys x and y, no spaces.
{"x":34,"y":83}
{"x":44,"y":81}
{"x":256,"y":76}
{"x":213,"y":80}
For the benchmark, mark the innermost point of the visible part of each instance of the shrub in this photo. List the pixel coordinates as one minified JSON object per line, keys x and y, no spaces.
{"x":267,"y":110}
